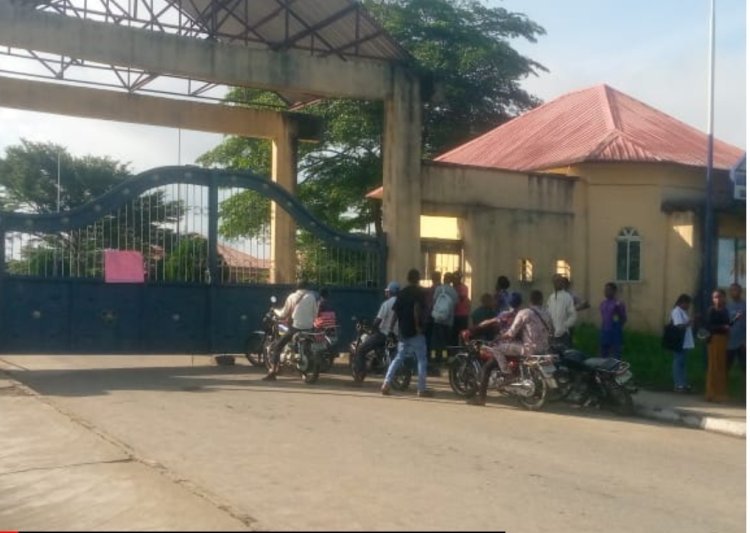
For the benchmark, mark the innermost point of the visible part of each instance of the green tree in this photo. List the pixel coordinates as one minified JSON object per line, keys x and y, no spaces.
{"x":462,"y":47}
{"x":28,"y":177}
{"x":28,"y":183}
{"x":188,"y":261}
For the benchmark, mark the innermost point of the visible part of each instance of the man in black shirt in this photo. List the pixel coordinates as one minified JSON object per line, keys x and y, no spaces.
{"x":410,"y":310}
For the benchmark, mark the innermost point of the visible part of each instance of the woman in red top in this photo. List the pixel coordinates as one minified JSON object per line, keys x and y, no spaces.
{"x":463,"y":307}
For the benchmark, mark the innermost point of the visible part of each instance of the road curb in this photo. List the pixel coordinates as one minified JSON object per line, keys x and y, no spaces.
{"x":693,"y":420}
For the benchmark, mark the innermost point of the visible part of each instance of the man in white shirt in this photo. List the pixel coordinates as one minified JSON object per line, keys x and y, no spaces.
{"x":302,"y":307}
{"x":562,"y":309}
{"x":384,"y":324}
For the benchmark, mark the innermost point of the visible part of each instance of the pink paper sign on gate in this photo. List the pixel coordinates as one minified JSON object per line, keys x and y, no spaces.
{"x":123,"y":266}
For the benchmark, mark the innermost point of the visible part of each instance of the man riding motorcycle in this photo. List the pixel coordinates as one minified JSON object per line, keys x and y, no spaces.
{"x":383,"y":325}
{"x":534,"y":326}
{"x":498,"y":324}
{"x":302,"y":307}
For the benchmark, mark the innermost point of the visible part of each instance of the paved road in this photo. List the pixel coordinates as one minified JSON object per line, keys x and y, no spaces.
{"x":286,"y":455}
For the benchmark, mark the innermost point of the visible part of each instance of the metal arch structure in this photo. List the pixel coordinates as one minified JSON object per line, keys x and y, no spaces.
{"x":211,"y":178}
{"x":302,"y":50}
{"x":340,"y":28}
{"x":76,"y":313}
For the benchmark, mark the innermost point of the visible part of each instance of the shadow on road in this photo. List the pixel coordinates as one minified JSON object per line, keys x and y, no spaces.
{"x":242,"y":379}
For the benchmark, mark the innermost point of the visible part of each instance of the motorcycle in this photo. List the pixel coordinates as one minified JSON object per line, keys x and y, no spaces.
{"x":595,"y":381}
{"x":378,"y":360}
{"x":529,"y":379}
{"x":329,"y":352}
{"x":256,"y":345}
{"x":301,"y":353}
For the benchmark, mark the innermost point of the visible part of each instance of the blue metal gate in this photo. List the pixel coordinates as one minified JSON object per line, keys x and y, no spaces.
{"x":202,"y":293}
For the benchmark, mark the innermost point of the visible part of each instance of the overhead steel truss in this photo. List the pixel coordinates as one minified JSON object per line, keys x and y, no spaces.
{"x":345,"y":30}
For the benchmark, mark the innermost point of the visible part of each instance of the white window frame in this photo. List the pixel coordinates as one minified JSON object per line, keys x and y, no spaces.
{"x":630,"y":236}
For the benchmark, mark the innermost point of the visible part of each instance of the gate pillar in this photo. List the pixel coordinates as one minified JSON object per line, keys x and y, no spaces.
{"x":284,"y":173}
{"x":402,"y":191}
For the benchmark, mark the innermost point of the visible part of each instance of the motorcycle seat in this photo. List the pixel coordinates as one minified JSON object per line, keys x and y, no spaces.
{"x":601,"y":363}
{"x":575,"y":356}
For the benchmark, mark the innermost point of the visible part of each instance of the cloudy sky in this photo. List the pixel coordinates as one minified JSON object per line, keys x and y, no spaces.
{"x":654,"y":50}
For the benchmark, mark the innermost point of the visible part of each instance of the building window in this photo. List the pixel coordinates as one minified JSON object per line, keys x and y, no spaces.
{"x":730,"y":266}
{"x":525,"y":271}
{"x":628,"y":255}
{"x":562,"y":267}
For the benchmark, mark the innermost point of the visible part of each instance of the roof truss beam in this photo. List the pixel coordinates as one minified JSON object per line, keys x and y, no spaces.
{"x":70,"y":100}
{"x":22,"y":26}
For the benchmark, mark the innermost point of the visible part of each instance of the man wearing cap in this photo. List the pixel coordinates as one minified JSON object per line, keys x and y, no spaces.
{"x":383,"y":325}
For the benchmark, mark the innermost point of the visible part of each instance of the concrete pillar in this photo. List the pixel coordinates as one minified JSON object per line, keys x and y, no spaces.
{"x":402,"y":191}
{"x":284,"y":173}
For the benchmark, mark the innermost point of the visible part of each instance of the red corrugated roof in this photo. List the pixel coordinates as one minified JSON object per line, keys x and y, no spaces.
{"x":237,"y":259}
{"x":594,"y":124}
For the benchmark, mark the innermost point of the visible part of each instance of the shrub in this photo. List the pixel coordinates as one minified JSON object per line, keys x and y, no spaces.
{"x":652,"y":365}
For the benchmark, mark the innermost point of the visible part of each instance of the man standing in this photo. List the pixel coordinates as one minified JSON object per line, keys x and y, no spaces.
{"x":463,"y":307}
{"x":302,"y":307}
{"x":410,"y":310}
{"x":736,"y":345}
{"x":502,"y":296}
{"x":443,"y":307}
{"x":562,"y":309}
{"x":614,"y":317}
{"x":580,"y":304}
{"x":435,"y":277}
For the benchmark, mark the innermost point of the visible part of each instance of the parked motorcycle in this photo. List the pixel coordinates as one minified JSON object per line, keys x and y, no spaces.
{"x":301,"y":353}
{"x":329,"y":352}
{"x":257,"y":343}
{"x":377,"y":361}
{"x":529,"y":378}
{"x":595,"y":381}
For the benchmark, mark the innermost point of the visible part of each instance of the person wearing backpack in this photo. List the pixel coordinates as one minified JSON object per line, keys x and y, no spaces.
{"x":444,"y":300}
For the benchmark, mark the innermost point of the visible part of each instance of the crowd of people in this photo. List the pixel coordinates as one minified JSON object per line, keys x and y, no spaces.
{"x":724,"y":330}
{"x":427,"y":321}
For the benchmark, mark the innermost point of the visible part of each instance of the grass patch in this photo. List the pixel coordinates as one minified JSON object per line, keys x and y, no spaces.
{"x":652,"y":365}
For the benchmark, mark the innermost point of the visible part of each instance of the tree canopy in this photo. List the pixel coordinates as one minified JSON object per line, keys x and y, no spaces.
{"x":28,"y":183}
{"x":461,"y":46}
{"x":28,"y":177}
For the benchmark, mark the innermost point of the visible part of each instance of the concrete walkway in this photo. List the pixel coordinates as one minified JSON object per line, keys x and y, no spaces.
{"x":692,"y":411}
{"x":57,"y":474}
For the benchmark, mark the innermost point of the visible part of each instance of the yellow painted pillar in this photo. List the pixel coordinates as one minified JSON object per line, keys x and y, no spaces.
{"x":402,"y":191}
{"x":284,"y":173}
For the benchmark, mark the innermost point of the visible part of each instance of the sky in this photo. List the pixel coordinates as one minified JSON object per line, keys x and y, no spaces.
{"x":655,"y":51}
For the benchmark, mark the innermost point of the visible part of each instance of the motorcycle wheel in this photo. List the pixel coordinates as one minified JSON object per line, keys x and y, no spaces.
{"x":537,"y":401}
{"x":311,"y":372}
{"x":464,"y":376}
{"x":620,"y":400}
{"x":255,"y":358}
{"x":566,"y":383}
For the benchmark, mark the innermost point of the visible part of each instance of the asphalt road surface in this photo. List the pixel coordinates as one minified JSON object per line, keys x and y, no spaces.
{"x":175,"y":443}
